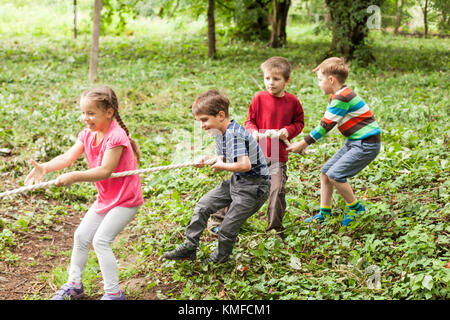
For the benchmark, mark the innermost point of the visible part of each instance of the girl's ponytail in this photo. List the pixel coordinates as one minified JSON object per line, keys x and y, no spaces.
{"x":134,"y":144}
{"x":106,"y":98}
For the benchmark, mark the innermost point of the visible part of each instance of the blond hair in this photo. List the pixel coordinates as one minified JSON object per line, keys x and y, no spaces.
{"x":106,"y":98}
{"x":334,"y":67}
{"x":277,"y":64}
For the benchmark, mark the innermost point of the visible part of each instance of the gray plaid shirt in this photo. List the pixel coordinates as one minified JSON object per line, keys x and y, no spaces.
{"x":236,"y":142}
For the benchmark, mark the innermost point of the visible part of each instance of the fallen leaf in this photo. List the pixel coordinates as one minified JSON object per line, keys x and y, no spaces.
{"x":5,"y":152}
{"x":242,"y":268}
{"x":448,"y":265}
{"x":365,"y":194}
{"x":428,"y":282}
{"x":295,"y":263}
{"x":222,"y":293}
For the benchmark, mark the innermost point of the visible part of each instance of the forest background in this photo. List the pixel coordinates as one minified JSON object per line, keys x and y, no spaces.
{"x":158,"y":55}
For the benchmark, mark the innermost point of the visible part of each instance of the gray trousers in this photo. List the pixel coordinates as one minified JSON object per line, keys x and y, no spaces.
{"x":276,"y":205}
{"x":243,"y":195}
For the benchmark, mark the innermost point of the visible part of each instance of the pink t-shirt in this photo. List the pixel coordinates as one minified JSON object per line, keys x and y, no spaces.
{"x":113,"y":192}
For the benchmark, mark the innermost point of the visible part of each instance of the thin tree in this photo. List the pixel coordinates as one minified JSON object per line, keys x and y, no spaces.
{"x":398,"y":15}
{"x":95,"y":40}
{"x":211,"y":30}
{"x":425,"y":16}
{"x":75,"y":19}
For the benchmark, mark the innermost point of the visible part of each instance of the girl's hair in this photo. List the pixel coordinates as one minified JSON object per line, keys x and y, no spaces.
{"x":334,"y":67}
{"x":105,"y":98}
{"x":210,"y":103}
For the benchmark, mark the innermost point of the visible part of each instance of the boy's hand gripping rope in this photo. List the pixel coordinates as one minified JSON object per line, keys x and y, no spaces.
{"x":273,"y":134}
{"x":114,"y":175}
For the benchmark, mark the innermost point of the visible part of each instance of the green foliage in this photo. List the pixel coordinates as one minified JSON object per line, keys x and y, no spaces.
{"x":398,"y":250}
{"x":115,"y":15}
{"x":349,"y":24}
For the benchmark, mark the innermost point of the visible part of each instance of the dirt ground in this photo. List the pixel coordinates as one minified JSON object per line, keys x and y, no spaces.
{"x":38,"y":255}
{"x":40,"y":252}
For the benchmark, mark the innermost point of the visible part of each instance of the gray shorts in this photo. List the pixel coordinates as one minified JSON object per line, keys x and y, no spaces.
{"x":354,"y":156}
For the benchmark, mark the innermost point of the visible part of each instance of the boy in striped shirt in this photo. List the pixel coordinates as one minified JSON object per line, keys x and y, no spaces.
{"x":356,"y":122}
{"x":244,"y":193}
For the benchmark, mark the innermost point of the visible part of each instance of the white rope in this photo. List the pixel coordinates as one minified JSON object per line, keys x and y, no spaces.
{"x":27,"y":188}
{"x":273,"y":134}
{"x":267,"y":134}
{"x":114,"y":175}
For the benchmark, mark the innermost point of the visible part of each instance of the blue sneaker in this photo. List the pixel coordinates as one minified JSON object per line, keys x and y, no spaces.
{"x":215,"y":230}
{"x":213,"y":227}
{"x":118,"y":296}
{"x":318,"y":217}
{"x":68,"y":292}
{"x":352,"y":215}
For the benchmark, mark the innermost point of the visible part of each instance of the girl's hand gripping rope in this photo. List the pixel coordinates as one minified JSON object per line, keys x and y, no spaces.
{"x":34,"y":179}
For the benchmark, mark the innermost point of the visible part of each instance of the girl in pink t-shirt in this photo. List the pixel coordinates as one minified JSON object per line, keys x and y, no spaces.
{"x":108,"y":148}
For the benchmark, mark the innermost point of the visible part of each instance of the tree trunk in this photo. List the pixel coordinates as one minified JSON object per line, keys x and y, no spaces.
{"x":284,"y":6}
{"x":274,"y":39}
{"x":349,"y":26}
{"x":95,"y":39}
{"x":278,"y":20}
{"x":211,"y":30}
{"x":398,"y":15}
{"x":425,"y":17}
{"x":75,"y":19}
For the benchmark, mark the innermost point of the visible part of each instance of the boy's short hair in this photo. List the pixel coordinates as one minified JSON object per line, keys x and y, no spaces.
{"x":210,"y":103}
{"x":334,"y":67}
{"x":277,"y":64}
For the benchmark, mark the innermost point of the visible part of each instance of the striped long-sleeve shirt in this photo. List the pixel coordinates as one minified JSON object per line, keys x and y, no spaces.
{"x":352,"y":116}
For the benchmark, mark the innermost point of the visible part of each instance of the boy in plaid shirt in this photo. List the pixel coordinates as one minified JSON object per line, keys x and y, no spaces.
{"x":244,"y":193}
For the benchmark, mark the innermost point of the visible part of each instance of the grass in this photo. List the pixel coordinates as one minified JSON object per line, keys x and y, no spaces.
{"x":157,"y":69}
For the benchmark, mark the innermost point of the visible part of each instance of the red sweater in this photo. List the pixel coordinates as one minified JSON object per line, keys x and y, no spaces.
{"x":269,"y":112}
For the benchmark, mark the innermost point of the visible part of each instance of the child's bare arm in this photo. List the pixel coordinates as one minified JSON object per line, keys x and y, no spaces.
{"x":297,"y":147}
{"x":60,"y":162}
{"x":242,"y":165}
{"x":110,"y":160}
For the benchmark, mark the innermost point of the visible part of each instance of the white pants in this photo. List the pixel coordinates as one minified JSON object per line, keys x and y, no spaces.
{"x":101,"y":229}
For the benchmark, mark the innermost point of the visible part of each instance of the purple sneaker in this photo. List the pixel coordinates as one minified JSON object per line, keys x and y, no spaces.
{"x":68,"y":292}
{"x":117,"y":296}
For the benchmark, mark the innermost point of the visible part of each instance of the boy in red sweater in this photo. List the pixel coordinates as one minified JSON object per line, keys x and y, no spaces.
{"x":280,"y":110}
{"x":273,"y":109}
